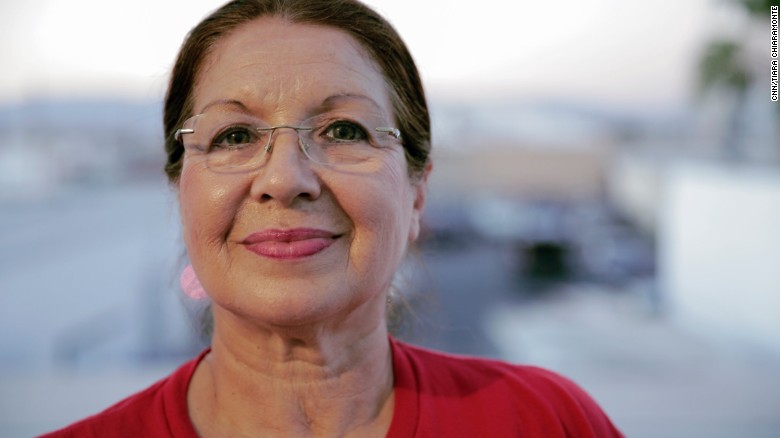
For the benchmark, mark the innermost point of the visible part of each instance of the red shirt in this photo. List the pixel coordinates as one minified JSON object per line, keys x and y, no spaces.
{"x":436,"y":395}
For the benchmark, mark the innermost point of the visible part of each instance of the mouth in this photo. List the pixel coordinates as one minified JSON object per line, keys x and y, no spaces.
{"x":289,"y":244}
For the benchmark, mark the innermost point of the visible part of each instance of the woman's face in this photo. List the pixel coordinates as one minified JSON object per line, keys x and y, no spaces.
{"x":295,"y":242}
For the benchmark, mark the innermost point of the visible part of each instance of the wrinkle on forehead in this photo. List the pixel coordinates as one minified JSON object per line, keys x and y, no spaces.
{"x":268,"y":43}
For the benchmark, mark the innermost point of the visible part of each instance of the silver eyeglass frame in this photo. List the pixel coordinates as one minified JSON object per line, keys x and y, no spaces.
{"x":394,"y":132}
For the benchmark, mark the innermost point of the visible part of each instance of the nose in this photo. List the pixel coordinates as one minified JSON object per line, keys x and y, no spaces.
{"x":287,"y":175}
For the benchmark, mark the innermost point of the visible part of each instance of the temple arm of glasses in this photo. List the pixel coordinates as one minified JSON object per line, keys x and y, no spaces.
{"x":179,"y":132}
{"x":392,"y":131}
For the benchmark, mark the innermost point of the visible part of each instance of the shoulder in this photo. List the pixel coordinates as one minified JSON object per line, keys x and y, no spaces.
{"x":534,"y":400}
{"x":467,"y":374}
{"x":472,"y":373}
{"x":128,"y":414}
{"x":159,"y":410}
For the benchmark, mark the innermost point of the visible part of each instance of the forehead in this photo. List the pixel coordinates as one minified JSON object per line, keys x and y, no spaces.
{"x":272,"y":65}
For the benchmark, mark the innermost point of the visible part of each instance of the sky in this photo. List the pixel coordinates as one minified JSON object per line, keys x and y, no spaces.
{"x":626,"y":52}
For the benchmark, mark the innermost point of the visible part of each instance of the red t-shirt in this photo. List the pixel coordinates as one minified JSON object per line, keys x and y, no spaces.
{"x":436,"y":395}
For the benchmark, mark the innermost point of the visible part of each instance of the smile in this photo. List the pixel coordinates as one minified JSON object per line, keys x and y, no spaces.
{"x":289,"y":244}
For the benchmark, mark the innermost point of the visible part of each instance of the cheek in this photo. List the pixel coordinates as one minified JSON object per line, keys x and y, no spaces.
{"x":381,"y":208}
{"x":207,"y":208}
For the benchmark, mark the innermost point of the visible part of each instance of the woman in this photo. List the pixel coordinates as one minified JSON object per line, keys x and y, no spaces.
{"x":298,"y":136}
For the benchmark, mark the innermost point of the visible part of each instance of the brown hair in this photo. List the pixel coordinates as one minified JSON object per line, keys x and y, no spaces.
{"x":373,"y":33}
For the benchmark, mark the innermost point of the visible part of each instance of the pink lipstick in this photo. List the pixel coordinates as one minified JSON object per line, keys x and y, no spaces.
{"x":290,"y":243}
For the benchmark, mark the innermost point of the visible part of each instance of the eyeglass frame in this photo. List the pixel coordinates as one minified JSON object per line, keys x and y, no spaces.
{"x":392,"y":131}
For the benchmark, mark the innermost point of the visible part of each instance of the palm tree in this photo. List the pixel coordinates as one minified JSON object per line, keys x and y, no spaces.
{"x":724,"y":65}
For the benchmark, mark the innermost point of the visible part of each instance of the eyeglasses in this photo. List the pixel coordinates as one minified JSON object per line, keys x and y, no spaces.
{"x":235,"y":142}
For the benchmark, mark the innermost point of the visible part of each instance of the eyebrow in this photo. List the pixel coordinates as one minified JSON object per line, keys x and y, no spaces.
{"x":331,"y":101}
{"x":327,"y":104}
{"x":225,"y":102}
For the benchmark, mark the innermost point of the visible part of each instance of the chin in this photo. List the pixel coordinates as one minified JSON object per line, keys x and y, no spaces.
{"x":288,"y":305}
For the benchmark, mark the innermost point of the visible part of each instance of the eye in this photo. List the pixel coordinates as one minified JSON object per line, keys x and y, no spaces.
{"x":343,"y":131}
{"x":234,"y":137}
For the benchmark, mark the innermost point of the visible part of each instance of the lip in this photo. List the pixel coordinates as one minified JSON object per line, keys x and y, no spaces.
{"x":291,"y":243}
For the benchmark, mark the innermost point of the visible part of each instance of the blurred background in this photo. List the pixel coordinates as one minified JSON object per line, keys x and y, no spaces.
{"x":605,"y":203}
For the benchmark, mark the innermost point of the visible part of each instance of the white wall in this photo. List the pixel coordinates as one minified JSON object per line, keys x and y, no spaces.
{"x":719,"y":249}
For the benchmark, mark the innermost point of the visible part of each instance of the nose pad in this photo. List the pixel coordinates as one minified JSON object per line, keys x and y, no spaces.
{"x":288,"y":176}
{"x":299,"y":140}
{"x":276,"y":133}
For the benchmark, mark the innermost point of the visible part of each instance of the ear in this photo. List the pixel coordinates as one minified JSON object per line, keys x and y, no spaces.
{"x":420,"y":189}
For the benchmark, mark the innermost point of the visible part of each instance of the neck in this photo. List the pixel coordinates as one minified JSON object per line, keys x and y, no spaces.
{"x":293,"y":382}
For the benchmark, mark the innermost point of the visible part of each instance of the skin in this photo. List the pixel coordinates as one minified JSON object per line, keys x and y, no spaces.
{"x":300,"y":346}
